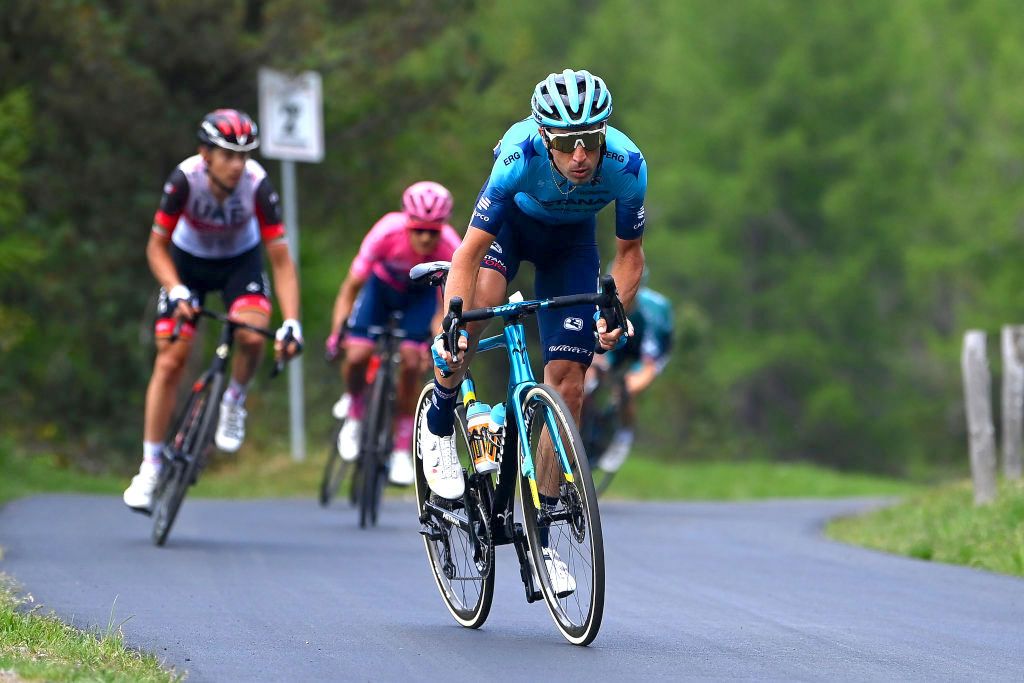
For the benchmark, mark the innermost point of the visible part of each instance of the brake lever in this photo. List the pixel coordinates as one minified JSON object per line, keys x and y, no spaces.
{"x":279,"y":363}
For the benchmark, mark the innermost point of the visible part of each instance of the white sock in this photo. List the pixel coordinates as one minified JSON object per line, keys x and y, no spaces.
{"x":624,"y":436}
{"x":235,"y":393}
{"x":151,"y":451}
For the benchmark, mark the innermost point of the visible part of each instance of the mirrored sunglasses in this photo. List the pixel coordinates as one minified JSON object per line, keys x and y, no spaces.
{"x":568,"y":142}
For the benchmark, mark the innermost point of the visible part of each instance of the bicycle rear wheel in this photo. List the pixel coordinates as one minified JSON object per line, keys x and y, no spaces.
{"x":190,"y":438}
{"x":567,"y":522}
{"x":335,"y":469}
{"x":457,"y":534}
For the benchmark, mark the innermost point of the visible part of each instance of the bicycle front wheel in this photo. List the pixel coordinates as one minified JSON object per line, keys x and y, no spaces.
{"x":563,"y":527}
{"x":456,"y":533}
{"x":190,"y":438}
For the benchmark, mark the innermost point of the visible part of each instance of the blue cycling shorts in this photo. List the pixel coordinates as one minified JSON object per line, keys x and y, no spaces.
{"x":377,"y":300}
{"x":566,"y":261}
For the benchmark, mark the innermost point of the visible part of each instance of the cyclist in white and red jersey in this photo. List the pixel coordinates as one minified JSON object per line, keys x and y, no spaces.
{"x":216,"y":208}
{"x":379,"y":275}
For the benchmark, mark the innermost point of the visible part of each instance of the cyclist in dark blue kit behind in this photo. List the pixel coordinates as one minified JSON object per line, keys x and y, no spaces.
{"x":552,"y":173}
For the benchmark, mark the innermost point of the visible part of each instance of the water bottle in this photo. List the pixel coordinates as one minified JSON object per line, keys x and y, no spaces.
{"x":497,"y":422}
{"x":478,"y":417}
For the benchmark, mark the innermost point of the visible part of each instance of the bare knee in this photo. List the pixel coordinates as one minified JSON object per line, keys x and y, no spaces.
{"x":249,"y":343}
{"x":170,"y":361}
{"x":567,"y":378}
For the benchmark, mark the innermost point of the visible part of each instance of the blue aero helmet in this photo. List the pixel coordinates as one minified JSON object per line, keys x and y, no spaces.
{"x":571,"y":99}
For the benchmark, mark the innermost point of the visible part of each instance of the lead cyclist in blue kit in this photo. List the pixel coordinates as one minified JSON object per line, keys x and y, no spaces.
{"x":552,"y":173}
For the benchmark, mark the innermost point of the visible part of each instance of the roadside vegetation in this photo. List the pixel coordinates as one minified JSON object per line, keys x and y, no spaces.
{"x":943,"y":525}
{"x":37,"y":646}
{"x":271,"y":473}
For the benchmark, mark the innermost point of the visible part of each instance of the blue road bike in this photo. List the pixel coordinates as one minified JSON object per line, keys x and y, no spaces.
{"x":541,"y":453}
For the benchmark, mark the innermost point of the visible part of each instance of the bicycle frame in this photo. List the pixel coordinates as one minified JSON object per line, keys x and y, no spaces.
{"x":521,"y":380}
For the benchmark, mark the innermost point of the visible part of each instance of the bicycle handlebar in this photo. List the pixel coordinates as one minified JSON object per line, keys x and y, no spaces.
{"x":237,"y":324}
{"x":607,"y":301}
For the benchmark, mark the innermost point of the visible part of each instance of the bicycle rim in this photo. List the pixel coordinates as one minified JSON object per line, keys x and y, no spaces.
{"x":189,"y":441}
{"x":170,"y":493}
{"x":463,"y":570}
{"x":370,"y":451}
{"x":335,"y":469}
{"x":570,"y":518}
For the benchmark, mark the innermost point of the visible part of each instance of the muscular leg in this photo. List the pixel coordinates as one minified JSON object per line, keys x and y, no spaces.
{"x":163,"y":386}
{"x":409,"y":378}
{"x":353,"y":368}
{"x":566,"y":377}
{"x":248,"y":347}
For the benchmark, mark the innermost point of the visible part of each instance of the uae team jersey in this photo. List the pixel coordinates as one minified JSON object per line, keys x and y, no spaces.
{"x":522,"y":175}
{"x":386,"y":251}
{"x":202,"y":226}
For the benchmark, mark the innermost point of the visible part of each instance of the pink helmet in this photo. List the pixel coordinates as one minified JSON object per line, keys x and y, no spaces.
{"x":427,"y":202}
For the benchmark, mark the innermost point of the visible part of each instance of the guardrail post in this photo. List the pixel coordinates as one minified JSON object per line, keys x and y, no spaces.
{"x":1013,"y":399}
{"x":978,"y":404}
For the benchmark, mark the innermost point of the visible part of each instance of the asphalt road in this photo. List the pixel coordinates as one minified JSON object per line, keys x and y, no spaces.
{"x":281,"y":590}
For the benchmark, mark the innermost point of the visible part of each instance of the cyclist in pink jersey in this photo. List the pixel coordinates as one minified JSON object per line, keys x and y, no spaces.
{"x":216,"y":208}
{"x":377,"y":284}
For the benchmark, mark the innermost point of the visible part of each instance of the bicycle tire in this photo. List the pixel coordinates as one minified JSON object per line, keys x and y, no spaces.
{"x":372,"y":453}
{"x":187,"y":448}
{"x":335,"y":469}
{"x":463,"y":570}
{"x":573,"y":523}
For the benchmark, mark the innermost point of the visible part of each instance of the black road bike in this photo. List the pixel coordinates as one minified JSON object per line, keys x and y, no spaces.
{"x":191,"y":436}
{"x":600,"y":418}
{"x":540,"y":453}
{"x":376,"y":439}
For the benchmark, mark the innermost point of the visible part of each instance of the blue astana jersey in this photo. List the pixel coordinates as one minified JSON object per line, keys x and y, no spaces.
{"x":523,"y":176}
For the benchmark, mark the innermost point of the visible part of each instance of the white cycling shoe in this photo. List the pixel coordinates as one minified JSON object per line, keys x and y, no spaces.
{"x":441,"y":465}
{"x":401,"y":472}
{"x":348,"y":439}
{"x":230,"y":427}
{"x":561,"y":580}
{"x":139,"y":495}
{"x":616,"y":453}
{"x":340,"y":408}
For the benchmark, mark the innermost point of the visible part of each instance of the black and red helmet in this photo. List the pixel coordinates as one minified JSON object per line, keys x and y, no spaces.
{"x":231,"y":129}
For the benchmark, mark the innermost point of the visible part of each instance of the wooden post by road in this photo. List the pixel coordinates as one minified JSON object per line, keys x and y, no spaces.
{"x":978,"y":404}
{"x":1013,"y":399}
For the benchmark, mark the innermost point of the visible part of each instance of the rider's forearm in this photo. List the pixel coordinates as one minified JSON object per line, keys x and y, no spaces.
{"x":462,"y":277}
{"x":345,"y":300}
{"x":637,"y":382}
{"x":628,"y":268}
{"x":160,"y":264}
{"x":286,"y":280}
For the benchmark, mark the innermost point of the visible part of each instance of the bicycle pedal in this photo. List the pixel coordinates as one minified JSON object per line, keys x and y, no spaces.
{"x":431,"y":533}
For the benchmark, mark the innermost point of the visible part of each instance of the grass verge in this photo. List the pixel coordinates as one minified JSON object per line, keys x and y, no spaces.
{"x":944,"y":525}
{"x":273,"y":474}
{"x":36,"y":646}
{"x":641,"y":478}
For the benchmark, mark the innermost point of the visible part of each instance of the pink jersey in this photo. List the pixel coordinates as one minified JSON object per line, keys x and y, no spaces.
{"x":386,"y":251}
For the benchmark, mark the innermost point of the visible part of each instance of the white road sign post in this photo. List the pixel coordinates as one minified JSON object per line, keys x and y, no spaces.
{"x":291,"y":129}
